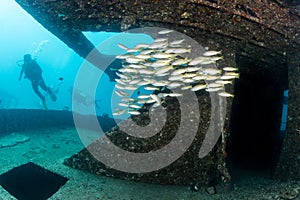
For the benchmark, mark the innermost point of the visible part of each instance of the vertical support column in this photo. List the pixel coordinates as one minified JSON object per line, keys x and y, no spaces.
{"x":289,"y":161}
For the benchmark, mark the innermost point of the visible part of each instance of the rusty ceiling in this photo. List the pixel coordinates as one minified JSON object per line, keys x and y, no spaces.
{"x":272,"y":24}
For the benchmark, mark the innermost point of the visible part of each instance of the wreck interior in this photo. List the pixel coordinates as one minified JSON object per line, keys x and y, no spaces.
{"x":255,"y":138}
{"x":256,"y":113}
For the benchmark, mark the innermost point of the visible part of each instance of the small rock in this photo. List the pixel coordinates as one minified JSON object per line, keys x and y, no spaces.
{"x":211,"y":190}
{"x":289,"y":193}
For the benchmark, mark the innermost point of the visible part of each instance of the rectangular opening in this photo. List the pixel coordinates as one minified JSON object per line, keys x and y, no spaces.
{"x":31,"y":182}
{"x":255,"y":126}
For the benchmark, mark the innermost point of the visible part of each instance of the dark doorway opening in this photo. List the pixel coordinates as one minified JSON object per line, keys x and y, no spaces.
{"x":255,"y":137}
{"x":31,"y":182}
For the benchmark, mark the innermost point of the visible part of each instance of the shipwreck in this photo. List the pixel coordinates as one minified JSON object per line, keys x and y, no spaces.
{"x":261,"y":38}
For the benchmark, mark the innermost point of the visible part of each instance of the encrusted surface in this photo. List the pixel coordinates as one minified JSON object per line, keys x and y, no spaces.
{"x":189,"y":169}
{"x":270,"y":25}
{"x":289,"y":167}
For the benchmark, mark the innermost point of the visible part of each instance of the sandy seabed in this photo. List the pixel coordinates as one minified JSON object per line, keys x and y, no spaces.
{"x":49,"y":147}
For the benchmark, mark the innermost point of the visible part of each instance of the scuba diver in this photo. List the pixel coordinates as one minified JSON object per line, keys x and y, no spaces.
{"x":33,"y":72}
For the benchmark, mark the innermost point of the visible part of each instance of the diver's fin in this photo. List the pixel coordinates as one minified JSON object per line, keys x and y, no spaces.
{"x":45,"y":105}
{"x":52,"y":96}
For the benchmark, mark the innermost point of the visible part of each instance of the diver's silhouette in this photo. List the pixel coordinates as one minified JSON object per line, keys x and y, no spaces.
{"x":33,"y":72}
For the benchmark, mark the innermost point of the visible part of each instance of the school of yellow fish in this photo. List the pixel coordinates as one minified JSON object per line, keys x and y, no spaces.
{"x":164,"y":64}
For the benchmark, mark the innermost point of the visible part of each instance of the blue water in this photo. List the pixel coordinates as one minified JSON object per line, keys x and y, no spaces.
{"x":21,"y":34}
